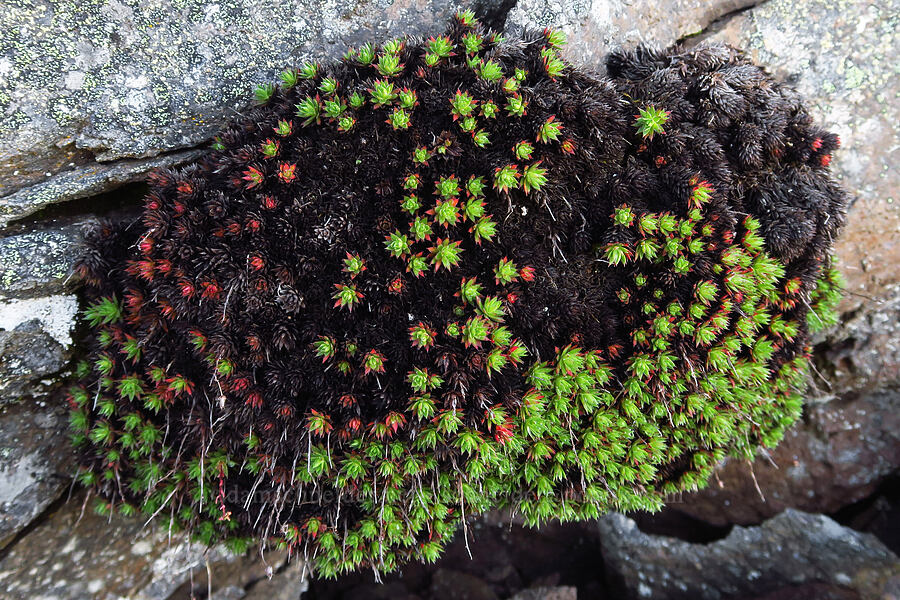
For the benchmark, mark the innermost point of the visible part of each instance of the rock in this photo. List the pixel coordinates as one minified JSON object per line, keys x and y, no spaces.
{"x":82,"y":84}
{"x":74,"y":553}
{"x":39,"y":262}
{"x":37,"y":309}
{"x":594,"y":27}
{"x":35,"y":336}
{"x":792,"y":549}
{"x":838,"y":455}
{"x":84,"y":181}
{"x":837,"y":54}
{"x":548,"y":593}
{"x":392,"y":590}
{"x":840,"y":56}
{"x":229,"y":574}
{"x":863,"y":352}
{"x":232,"y":592}
{"x":289,"y":584}
{"x":818,"y":591}
{"x":35,"y":455}
{"x":447,"y":584}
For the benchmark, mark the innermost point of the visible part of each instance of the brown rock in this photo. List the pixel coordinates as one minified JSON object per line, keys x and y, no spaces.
{"x":447,"y":584}
{"x":838,"y":455}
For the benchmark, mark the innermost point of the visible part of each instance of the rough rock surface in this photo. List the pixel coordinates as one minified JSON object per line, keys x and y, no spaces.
{"x":75,"y":555}
{"x":838,"y":455}
{"x":841,"y":56}
{"x":594,"y":27}
{"x":37,"y":309}
{"x":81,"y":182}
{"x":548,"y":593}
{"x":792,"y":549}
{"x":35,"y":342}
{"x":289,"y":584}
{"x":39,"y":262}
{"x":34,"y":463}
{"x":125,"y":79}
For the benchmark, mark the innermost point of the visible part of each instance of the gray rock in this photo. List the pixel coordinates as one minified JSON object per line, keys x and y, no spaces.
{"x":792,"y":549}
{"x":39,"y":262}
{"x":594,"y":27}
{"x":83,"y":181}
{"x":839,"y":454}
{"x":35,"y":342}
{"x":75,"y":554}
{"x":35,"y":455}
{"x":127,"y":79}
{"x":289,"y":584}
{"x":37,"y":309}
{"x":863,"y":351}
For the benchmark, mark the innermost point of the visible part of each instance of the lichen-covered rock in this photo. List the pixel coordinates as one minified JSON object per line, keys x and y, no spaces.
{"x":792,"y":549}
{"x":124,"y":79}
{"x":37,"y":307}
{"x":38,"y":262}
{"x":594,"y":27}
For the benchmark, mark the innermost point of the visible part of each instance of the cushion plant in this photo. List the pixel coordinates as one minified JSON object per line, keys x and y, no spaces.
{"x":446,"y":275}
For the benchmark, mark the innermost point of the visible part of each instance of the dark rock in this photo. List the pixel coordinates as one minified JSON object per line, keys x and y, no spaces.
{"x":878,"y":514}
{"x":594,"y":27}
{"x":34,"y":463}
{"x":288,"y":584}
{"x":838,"y":455}
{"x":547,"y":593}
{"x":819,"y":591}
{"x":447,"y":584}
{"x":393,"y":590}
{"x":83,"y":181}
{"x":792,"y":549}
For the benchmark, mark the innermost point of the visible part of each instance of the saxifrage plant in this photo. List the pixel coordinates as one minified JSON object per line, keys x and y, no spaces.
{"x":448,"y":275}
